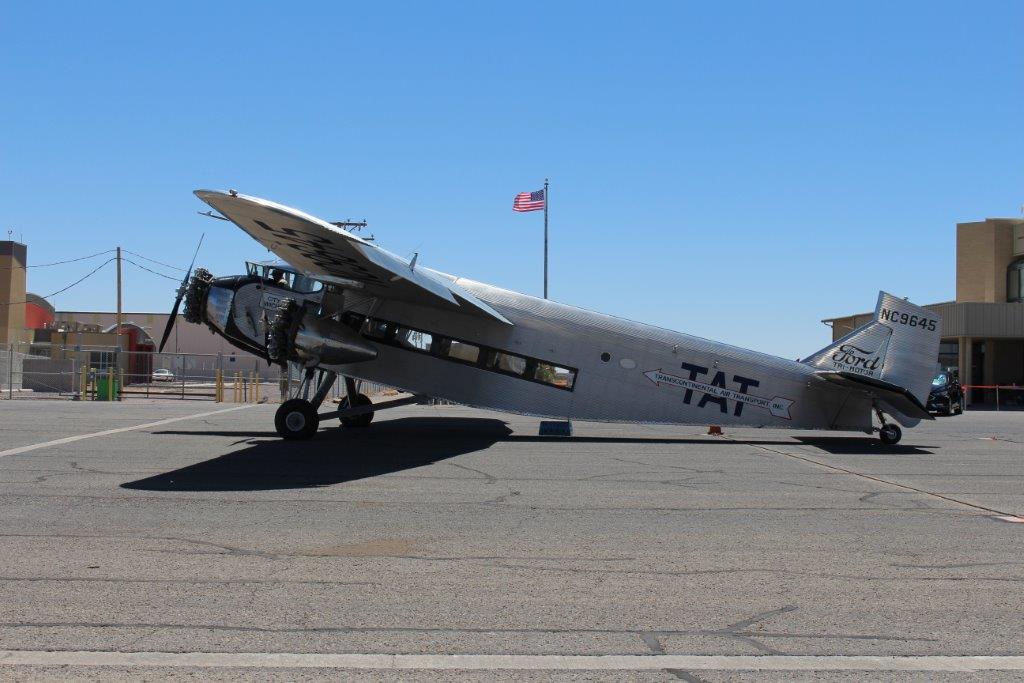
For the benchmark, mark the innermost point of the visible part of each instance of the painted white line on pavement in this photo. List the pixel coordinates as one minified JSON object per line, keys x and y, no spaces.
{"x":509,"y":662}
{"x":107,"y":432}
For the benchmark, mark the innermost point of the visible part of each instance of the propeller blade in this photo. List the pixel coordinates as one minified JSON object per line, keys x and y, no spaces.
{"x":170,"y":320}
{"x":181,"y":295}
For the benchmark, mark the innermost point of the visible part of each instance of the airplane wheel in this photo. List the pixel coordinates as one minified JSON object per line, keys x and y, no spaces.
{"x":363,"y":420}
{"x":959,"y":405}
{"x":296,"y":419}
{"x":890,"y":434}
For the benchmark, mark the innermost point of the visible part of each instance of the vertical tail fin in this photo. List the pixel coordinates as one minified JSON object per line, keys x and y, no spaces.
{"x":899,"y":347}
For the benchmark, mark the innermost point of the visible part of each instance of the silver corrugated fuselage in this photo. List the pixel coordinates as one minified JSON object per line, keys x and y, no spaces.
{"x":627,"y":371}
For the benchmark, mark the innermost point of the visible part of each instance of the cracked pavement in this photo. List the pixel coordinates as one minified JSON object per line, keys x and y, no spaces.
{"x":447,"y":529}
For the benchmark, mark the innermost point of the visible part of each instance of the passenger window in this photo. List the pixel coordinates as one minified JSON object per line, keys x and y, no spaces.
{"x":506,"y":362}
{"x":554,"y":375}
{"x":353,"y":320}
{"x":413,"y":339}
{"x":377,"y":329}
{"x":469,"y":353}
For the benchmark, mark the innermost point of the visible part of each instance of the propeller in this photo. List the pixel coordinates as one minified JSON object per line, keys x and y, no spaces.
{"x":181,"y":295}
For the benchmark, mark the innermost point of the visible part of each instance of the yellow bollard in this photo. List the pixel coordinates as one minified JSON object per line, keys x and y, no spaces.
{"x":84,"y":383}
{"x":256,"y":387}
{"x":218,"y":387}
{"x":92,"y":384}
{"x":110,"y":384}
{"x":237,"y":394}
{"x":120,"y":383}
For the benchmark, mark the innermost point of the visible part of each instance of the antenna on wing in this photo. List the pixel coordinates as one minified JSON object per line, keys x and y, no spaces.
{"x":352,"y":226}
{"x":211,"y":214}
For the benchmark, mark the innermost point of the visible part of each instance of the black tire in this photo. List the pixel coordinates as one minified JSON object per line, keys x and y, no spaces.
{"x":948,"y":410}
{"x":363,"y":420}
{"x":890,"y":434}
{"x":959,"y":405}
{"x":296,"y":419}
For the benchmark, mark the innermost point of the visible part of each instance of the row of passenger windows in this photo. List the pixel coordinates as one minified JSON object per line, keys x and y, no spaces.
{"x":532,"y":369}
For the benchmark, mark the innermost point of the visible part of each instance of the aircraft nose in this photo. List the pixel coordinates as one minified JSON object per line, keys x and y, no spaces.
{"x":218,"y":306}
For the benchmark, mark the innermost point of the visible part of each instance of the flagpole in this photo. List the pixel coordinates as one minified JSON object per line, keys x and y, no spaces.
{"x":545,"y":238}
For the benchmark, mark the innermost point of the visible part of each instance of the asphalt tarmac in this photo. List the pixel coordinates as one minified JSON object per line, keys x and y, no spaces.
{"x":442,"y":531}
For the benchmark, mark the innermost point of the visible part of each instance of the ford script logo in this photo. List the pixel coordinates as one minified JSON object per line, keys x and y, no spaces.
{"x":854,"y":356}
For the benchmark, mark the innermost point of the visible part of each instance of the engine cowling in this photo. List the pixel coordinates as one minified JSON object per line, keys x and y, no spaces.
{"x":296,"y":334}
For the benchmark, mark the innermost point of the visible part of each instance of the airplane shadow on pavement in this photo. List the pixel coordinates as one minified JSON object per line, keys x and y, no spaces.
{"x":863,"y":445}
{"x":334,"y":456}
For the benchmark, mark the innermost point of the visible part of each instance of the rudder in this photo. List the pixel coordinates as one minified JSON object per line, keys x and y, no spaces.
{"x":899,"y":347}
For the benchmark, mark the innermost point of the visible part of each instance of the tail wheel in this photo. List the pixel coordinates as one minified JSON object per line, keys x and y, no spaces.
{"x":363,"y":420}
{"x":890,"y":434}
{"x":296,"y":419}
{"x":280,"y":332}
{"x":195,"y":295}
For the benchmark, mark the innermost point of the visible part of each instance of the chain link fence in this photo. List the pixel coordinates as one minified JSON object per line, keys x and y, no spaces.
{"x":106,"y":373}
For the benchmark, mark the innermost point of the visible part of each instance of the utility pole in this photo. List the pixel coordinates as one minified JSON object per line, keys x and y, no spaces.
{"x":118,"y":328}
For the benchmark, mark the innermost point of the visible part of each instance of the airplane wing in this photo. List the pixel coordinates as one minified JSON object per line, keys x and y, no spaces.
{"x":330,"y":254}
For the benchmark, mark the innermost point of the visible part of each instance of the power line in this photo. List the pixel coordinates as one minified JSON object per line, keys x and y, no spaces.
{"x":58,"y":263}
{"x":138,"y":265}
{"x":83,"y":258}
{"x":153,"y":260}
{"x":64,"y":289}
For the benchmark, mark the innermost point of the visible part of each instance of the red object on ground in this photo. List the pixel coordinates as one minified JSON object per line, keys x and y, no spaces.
{"x":715,"y":430}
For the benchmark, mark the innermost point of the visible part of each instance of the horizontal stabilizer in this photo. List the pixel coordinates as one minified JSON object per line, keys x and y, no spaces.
{"x":897,"y":398}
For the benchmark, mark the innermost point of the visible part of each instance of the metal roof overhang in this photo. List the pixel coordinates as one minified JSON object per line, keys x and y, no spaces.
{"x":970,"y":319}
{"x":976,"y":319}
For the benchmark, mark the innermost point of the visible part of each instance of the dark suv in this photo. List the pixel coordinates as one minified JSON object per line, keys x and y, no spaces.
{"x":946,"y":397}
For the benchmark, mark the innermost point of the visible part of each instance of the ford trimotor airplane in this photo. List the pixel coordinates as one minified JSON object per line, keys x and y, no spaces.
{"x":341,"y":305}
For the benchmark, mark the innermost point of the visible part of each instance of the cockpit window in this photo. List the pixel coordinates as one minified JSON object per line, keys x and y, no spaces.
{"x":941,"y":380}
{"x":280,"y":276}
{"x":306,"y":284}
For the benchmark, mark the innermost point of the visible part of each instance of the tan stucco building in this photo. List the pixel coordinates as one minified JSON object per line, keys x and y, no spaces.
{"x":983,"y":329}
{"x":13,"y":257}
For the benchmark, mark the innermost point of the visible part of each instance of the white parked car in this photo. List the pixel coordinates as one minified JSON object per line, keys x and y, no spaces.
{"x":163,"y":375}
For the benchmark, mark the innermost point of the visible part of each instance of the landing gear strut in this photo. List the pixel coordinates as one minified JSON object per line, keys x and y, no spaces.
{"x":297,"y":418}
{"x":889,"y":434}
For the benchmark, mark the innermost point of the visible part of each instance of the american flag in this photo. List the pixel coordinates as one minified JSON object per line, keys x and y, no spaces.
{"x":529,"y":201}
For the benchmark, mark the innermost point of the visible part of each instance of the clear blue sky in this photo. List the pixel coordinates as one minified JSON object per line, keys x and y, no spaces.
{"x":733,"y":170}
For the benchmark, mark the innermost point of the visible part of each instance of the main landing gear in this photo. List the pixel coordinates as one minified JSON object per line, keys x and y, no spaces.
{"x":363,"y":419}
{"x":297,"y":418}
{"x":889,"y":433}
